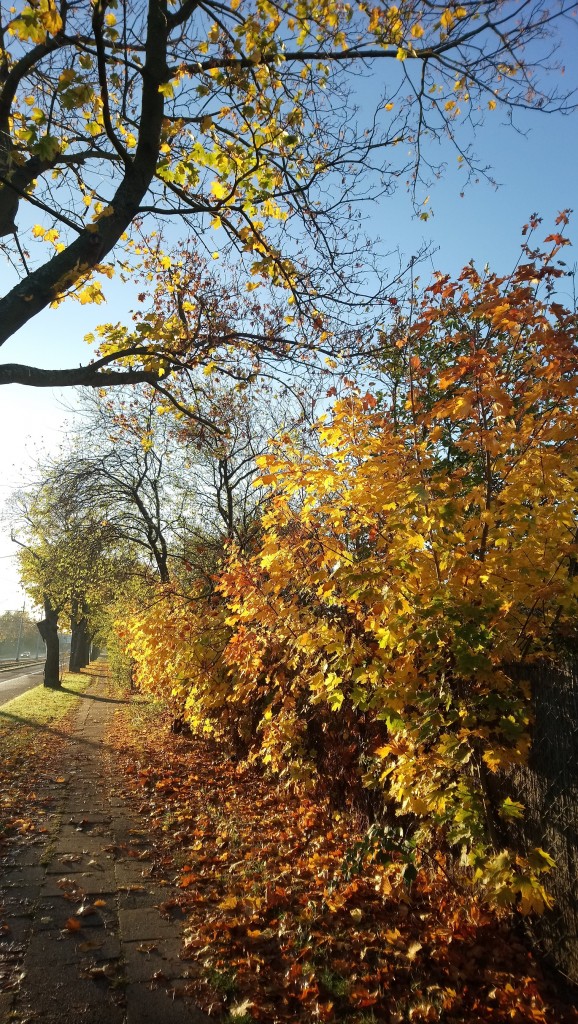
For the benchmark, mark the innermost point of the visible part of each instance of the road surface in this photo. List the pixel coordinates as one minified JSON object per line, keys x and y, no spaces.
{"x":15,"y":681}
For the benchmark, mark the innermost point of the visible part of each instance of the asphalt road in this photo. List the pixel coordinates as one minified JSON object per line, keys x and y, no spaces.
{"x":15,"y":681}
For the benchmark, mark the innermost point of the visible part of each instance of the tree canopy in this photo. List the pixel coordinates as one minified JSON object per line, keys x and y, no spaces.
{"x":247,"y":123}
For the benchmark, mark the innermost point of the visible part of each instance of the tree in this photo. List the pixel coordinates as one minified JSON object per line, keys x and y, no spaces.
{"x":405,"y":560}
{"x":180,"y":486}
{"x":176,"y":482}
{"x":118,"y":468}
{"x":68,"y":565}
{"x":15,"y":625}
{"x":241,"y":119}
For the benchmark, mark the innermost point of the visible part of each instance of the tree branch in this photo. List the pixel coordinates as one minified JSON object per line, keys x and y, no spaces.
{"x":86,"y":376}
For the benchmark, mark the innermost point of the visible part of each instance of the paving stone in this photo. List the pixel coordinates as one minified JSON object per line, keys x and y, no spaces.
{"x":80,"y":808}
{"x":65,"y":863}
{"x":131,"y":872}
{"x":18,"y":902}
{"x":144,"y":924}
{"x":96,"y":831}
{"x":23,"y":877}
{"x":127,"y":833}
{"x":54,"y":948}
{"x":100,"y":947}
{"x":144,"y":960}
{"x":88,"y":798}
{"x":14,"y":930}
{"x":78,"y":842}
{"x":134,"y":898}
{"x":102,"y":883}
{"x":88,"y":820}
{"x":6,"y":1004}
{"x":25,"y":857}
{"x":156,"y":1006}
{"x":68,"y":995}
{"x":129,"y":856}
{"x":54,"y":912}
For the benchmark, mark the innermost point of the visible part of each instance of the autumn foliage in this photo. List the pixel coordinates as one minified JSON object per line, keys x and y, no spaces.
{"x":418,"y":542}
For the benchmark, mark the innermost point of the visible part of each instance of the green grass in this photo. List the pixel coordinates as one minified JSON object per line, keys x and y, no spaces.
{"x":43,"y":706}
{"x":144,"y":709}
{"x":335,"y":984}
{"x":223,"y":982}
{"x":37,"y":712}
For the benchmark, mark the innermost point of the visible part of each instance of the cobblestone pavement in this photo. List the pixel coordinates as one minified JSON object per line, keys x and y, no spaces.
{"x":79,"y":914}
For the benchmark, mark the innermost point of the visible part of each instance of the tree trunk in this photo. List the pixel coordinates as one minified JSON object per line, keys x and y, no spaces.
{"x":48,"y":629}
{"x":84,"y":646}
{"x":80,"y":639}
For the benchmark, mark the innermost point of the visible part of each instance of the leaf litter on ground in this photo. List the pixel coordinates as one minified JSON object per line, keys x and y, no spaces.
{"x":276,"y":931}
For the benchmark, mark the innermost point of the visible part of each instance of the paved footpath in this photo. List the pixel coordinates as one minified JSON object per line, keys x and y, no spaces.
{"x":80,"y":913}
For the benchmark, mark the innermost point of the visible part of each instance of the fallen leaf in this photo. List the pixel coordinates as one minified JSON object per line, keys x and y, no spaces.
{"x":230,"y":903}
{"x":67,"y":883}
{"x":240,"y":1009}
{"x":85,"y":910}
{"x":412,"y":950}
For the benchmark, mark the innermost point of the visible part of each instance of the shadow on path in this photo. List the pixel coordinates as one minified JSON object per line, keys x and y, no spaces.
{"x":93,"y":696}
{"x":41,"y":727}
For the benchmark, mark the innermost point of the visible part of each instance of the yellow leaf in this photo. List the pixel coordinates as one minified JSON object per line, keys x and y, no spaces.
{"x":219,"y":190}
{"x":51,"y":18}
{"x":230,"y":903}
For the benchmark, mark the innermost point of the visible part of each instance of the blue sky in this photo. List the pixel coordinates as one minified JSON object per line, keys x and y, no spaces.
{"x":537,"y":172}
